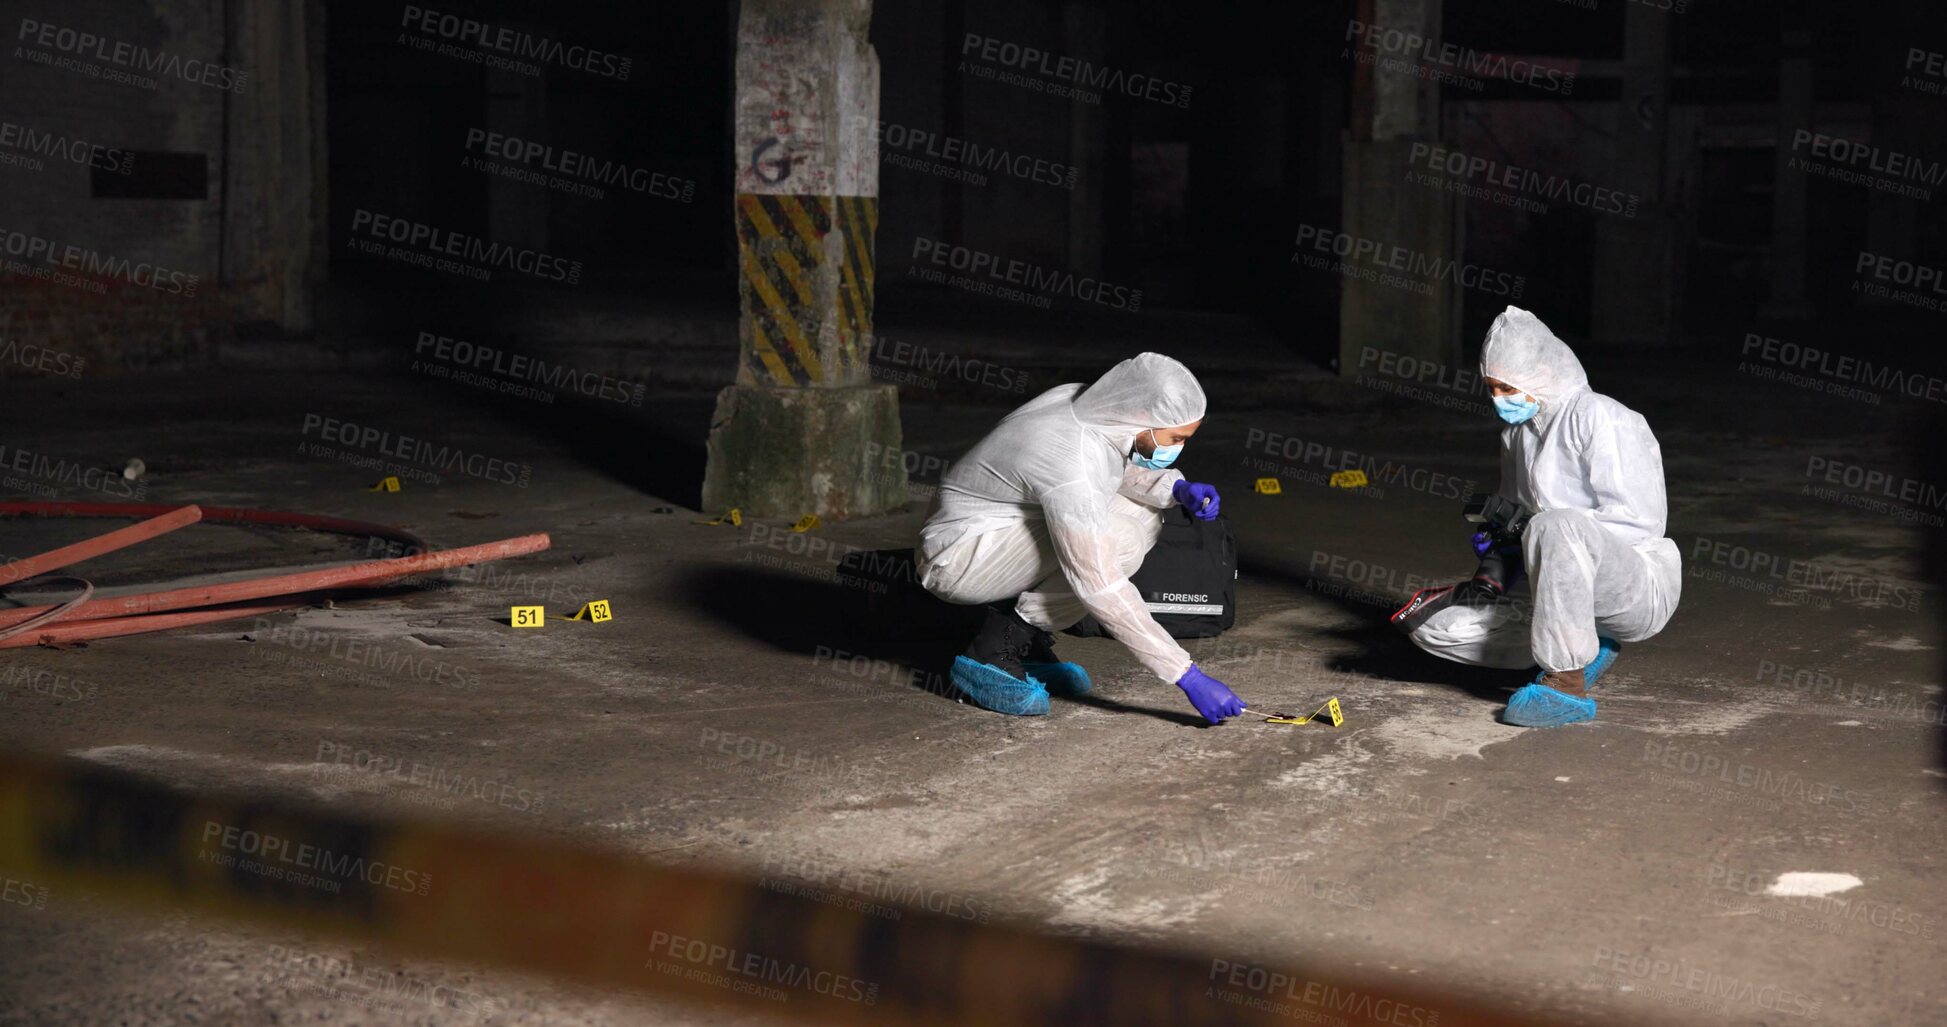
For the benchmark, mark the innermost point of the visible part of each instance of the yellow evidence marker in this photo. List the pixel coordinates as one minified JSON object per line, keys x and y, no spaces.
{"x":805,"y":523}
{"x":734,"y":516}
{"x":1270,"y":487}
{"x":1349,"y":480}
{"x":596,"y":612}
{"x":1331,"y":706}
{"x":389,"y":483}
{"x":529,"y":616}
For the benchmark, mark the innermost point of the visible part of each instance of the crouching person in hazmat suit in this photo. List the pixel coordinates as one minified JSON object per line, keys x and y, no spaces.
{"x":1044,"y":520}
{"x":1599,"y":572}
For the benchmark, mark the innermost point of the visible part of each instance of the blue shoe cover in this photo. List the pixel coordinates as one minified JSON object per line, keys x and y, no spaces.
{"x":995,"y":689}
{"x":1060,"y":678}
{"x":1537,"y":705}
{"x":1605,"y":655}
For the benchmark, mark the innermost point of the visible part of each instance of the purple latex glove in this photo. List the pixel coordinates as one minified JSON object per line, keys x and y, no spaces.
{"x":1211,"y":697}
{"x":1200,"y":499}
{"x":1485,"y":543}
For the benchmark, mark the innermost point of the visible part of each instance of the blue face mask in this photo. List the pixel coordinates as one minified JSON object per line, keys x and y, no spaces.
{"x":1515,"y":410}
{"x":1159,"y":458}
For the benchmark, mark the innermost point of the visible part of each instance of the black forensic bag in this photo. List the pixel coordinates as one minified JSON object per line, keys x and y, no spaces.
{"x":1189,"y":581}
{"x":1189,"y":578}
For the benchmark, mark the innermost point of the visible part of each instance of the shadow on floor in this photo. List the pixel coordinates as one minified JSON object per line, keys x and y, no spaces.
{"x":829,"y":623}
{"x":644,"y":448}
{"x":1381,"y":650}
{"x":850,"y":638}
{"x":1112,"y":706}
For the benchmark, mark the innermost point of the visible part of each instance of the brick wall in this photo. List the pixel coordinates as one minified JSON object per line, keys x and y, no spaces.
{"x":52,"y":328}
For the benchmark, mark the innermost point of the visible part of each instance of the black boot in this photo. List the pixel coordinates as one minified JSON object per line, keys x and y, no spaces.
{"x":1005,"y":640}
{"x":1041,"y":645}
{"x":1059,"y":676}
{"x":991,"y":672}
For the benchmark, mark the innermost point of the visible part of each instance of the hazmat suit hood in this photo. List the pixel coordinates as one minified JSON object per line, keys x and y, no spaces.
{"x":1522,"y":352}
{"x":1148,"y":390}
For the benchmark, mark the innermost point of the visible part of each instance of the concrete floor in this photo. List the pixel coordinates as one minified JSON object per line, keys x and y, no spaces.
{"x":1527,"y":868}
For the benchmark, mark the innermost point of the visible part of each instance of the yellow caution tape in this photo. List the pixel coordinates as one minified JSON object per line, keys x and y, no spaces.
{"x":597,"y":916}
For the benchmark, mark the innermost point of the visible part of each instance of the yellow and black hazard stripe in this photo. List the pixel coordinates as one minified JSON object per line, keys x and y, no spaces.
{"x":781,"y":245}
{"x":607,"y":918}
{"x":858,"y":223}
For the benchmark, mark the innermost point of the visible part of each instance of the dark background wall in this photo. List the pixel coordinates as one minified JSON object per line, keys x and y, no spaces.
{"x":1194,"y":203}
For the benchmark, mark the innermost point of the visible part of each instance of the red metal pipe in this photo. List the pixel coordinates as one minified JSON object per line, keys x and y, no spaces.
{"x":27,"y":626}
{"x":120,"y":538}
{"x":322,"y":578}
{"x":78,"y":630}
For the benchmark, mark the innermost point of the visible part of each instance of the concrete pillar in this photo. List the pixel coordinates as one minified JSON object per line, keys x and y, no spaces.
{"x":273,"y":195}
{"x":1238,"y":152}
{"x":804,"y":429}
{"x":1085,"y":29}
{"x":1791,"y":187}
{"x":1638,"y":260}
{"x":1391,"y":110}
{"x":953,"y":116}
{"x":1904,"y":121}
{"x":517,"y":106}
{"x":1892,"y":226}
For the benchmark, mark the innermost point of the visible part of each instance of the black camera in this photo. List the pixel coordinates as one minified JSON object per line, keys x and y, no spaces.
{"x":1505,"y":519}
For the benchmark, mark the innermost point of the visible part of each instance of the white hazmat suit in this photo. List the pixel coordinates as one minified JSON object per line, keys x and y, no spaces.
{"x":1048,"y":508}
{"x":1596,"y":559}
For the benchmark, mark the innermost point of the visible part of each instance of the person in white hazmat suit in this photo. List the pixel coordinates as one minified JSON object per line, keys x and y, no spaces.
{"x":1599,"y":570}
{"x":1044,"y":520}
